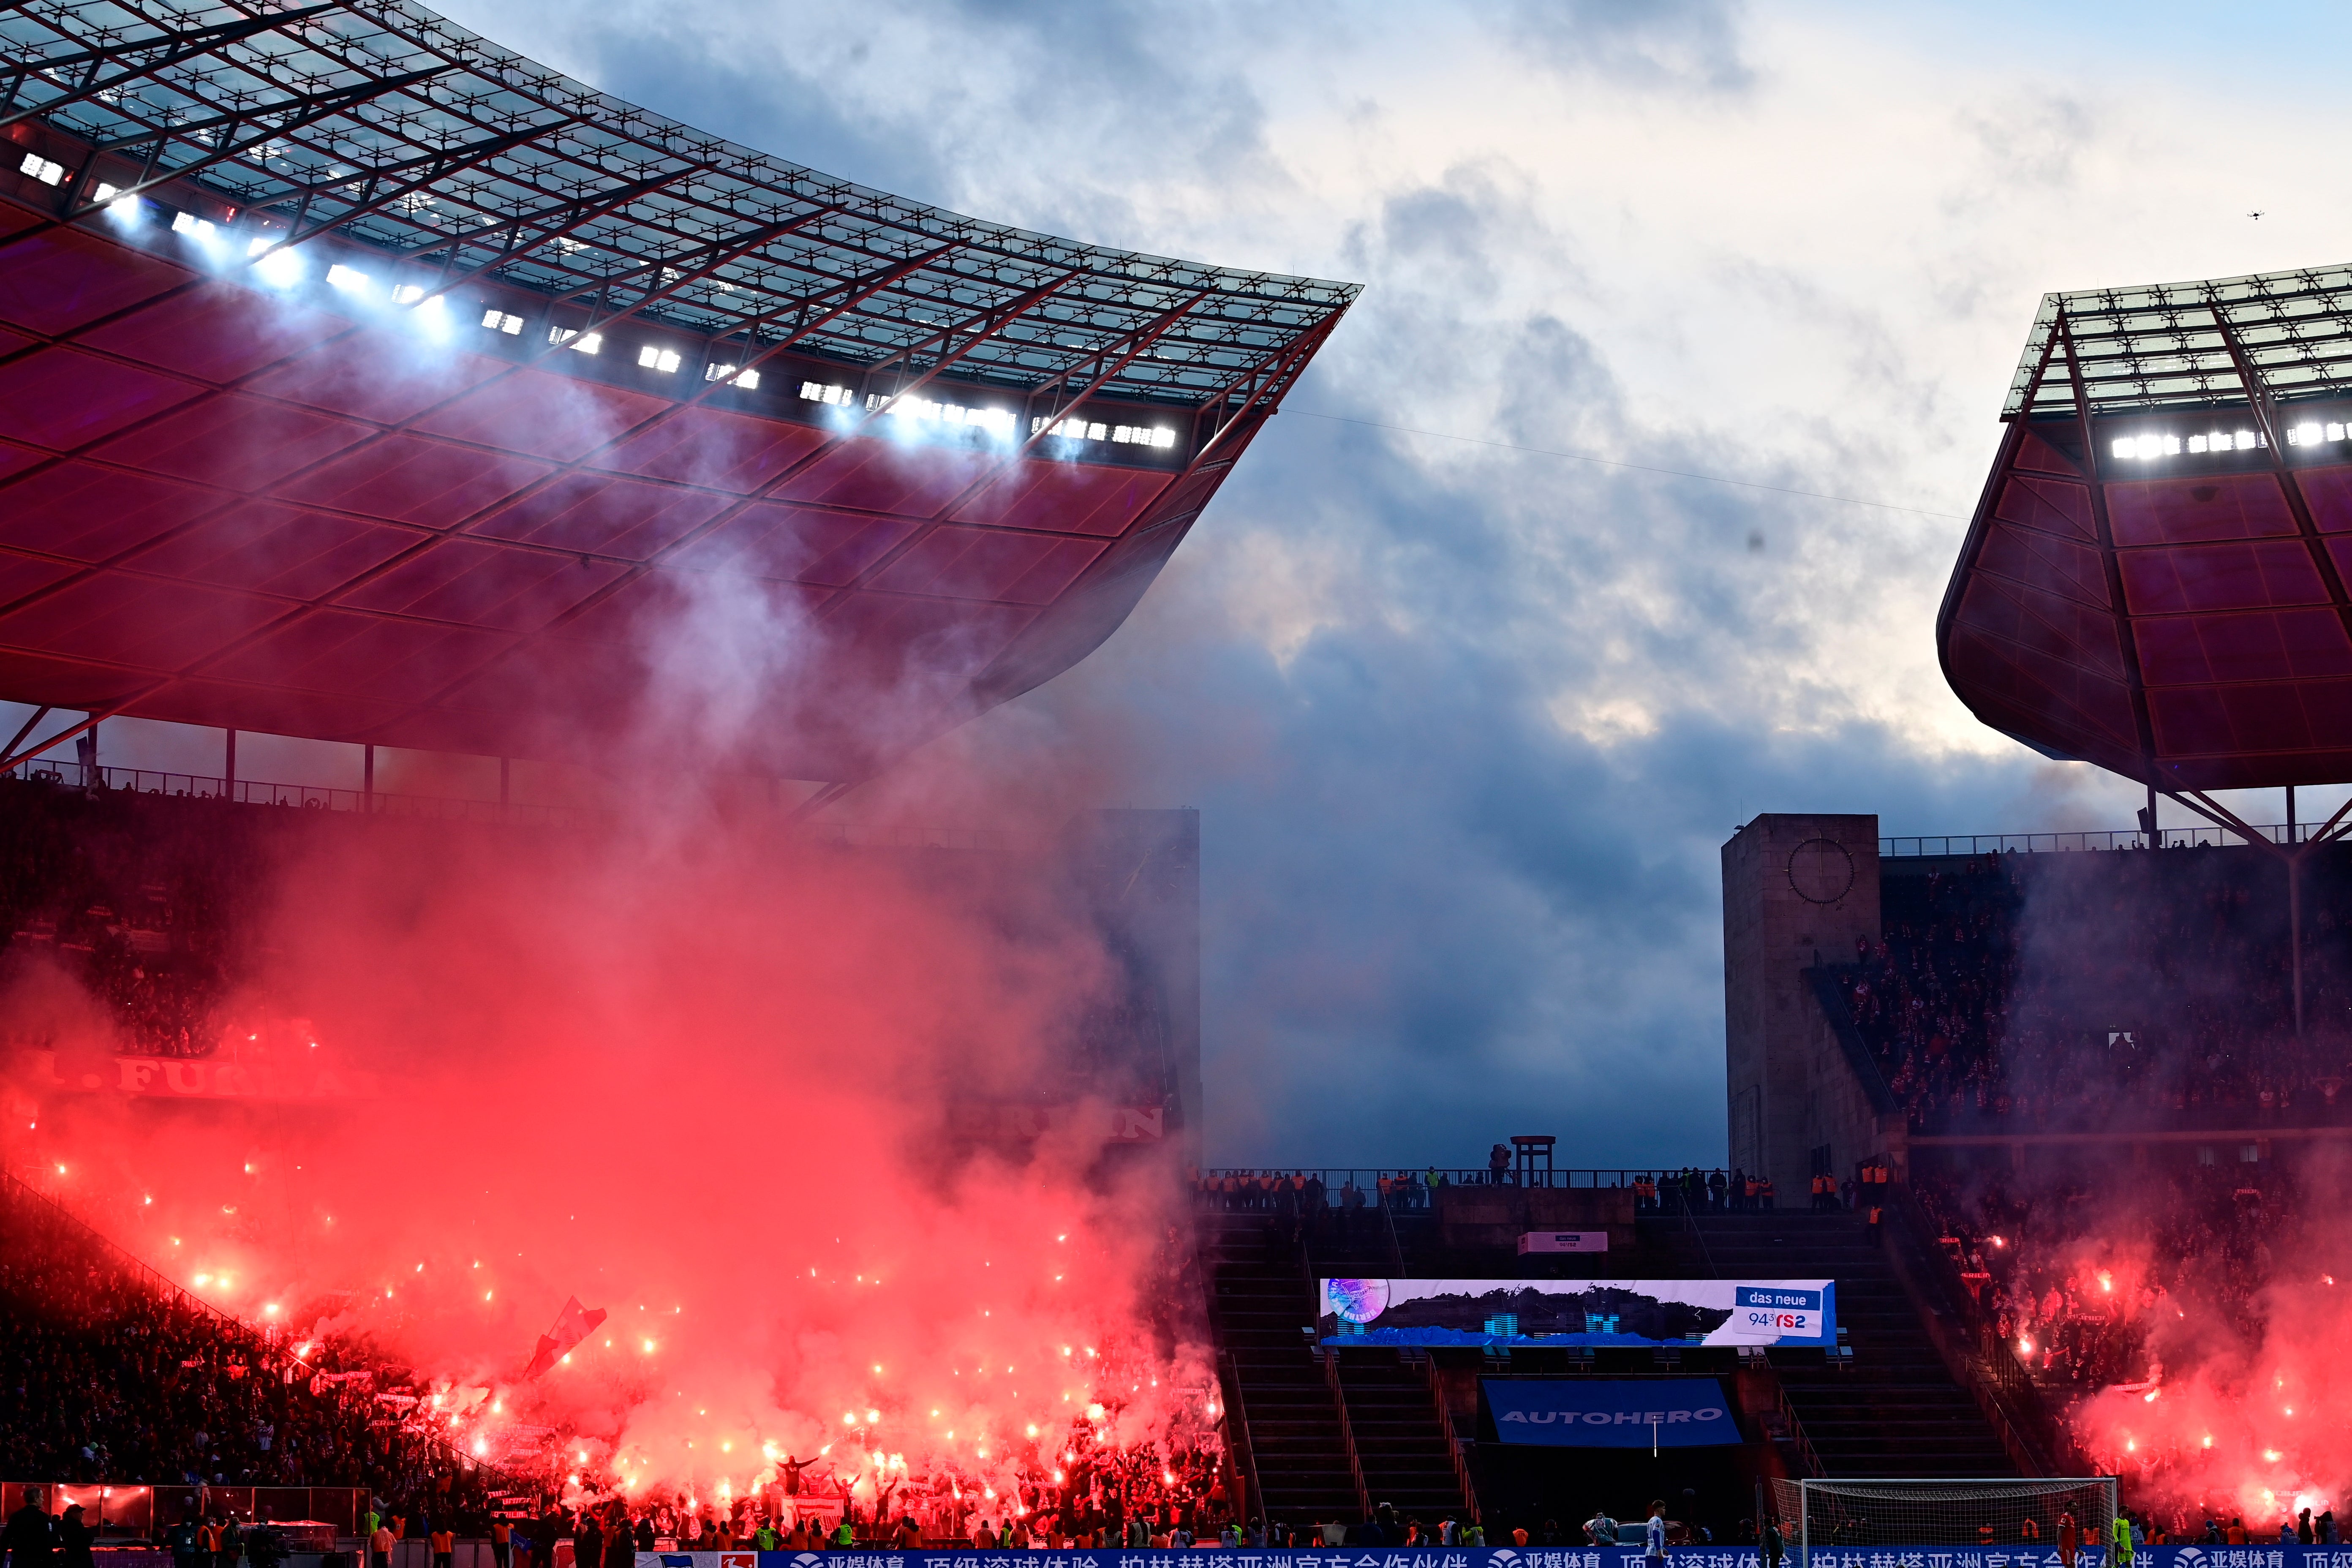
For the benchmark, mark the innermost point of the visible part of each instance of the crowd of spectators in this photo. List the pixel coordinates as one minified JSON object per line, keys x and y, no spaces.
{"x":145,"y":905}
{"x":2069,"y":990}
{"x":108,"y":1372}
{"x":1294,"y":1193}
{"x":1089,"y":1497}
{"x":2081,"y":1275}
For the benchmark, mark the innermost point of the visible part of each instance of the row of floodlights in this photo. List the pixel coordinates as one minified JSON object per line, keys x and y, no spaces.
{"x":651,"y":356}
{"x":2143,"y":447}
{"x":49,"y":171}
{"x":1131,"y":435}
{"x":998,"y":421}
{"x":283,"y":267}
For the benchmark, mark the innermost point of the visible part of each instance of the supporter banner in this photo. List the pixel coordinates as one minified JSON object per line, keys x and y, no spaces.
{"x":186,"y":1078}
{"x":1614,"y":1413}
{"x":1626,"y":1554}
{"x":1506,"y":1313}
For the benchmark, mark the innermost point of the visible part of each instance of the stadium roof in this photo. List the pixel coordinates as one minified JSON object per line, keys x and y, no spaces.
{"x":293,"y":298}
{"x":2155,"y":577}
{"x":2178,"y":346}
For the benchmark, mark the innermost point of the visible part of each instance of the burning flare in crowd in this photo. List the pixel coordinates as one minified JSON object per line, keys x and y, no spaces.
{"x":712,"y":1119}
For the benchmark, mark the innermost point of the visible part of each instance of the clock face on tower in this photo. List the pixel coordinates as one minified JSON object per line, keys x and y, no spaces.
{"x":1821,"y":871}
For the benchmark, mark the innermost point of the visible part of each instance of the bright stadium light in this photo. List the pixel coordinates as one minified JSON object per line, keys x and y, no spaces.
{"x":749,"y":380}
{"x":192,"y":225}
{"x":431,"y":317}
{"x":48,"y":171}
{"x":350,"y":280}
{"x":663,"y":360}
{"x":2303,"y":434}
{"x":500,"y":322}
{"x":407,"y":293}
{"x":818,"y":392}
{"x":281,"y":269}
{"x":915,"y":408}
{"x":2248,"y":440}
{"x":589,"y":344}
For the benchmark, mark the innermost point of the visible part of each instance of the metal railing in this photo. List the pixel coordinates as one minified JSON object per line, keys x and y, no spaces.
{"x":128,"y":1508}
{"x":460,"y":809}
{"x":1366,"y":1180}
{"x":1455,"y":1448}
{"x":2195,"y":837}
{"x":311,"y":797}
{"x":1237,"y":1427}
{"x":15,"y":1186}
{"x":1330,"y":1360}
{"x":1792,"y":1429}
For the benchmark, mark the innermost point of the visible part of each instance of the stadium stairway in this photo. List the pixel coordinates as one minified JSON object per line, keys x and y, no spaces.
{"x":1258,"y":1300}
{"x":1894,"y":1411}
{"x":1400,"y":1440}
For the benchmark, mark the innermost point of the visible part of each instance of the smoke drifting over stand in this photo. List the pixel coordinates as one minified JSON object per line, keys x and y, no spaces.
{"x":821,"y":1131}
{"x":709,"y":1081}
{"x":2173,"y":1291}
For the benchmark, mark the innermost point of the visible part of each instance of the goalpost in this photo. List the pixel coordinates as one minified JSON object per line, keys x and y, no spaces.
{"x":2011,"y":1517}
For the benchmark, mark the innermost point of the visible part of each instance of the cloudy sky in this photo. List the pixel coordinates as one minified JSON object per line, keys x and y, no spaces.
{"x":1469,"y":719}
{"x":1469,"y":676}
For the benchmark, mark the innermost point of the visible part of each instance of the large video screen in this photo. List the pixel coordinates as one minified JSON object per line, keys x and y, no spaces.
{"x":1576,"y":1312}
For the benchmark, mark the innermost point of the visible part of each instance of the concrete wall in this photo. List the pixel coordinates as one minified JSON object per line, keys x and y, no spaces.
{"x":1796,"y":890}
{"x":1145,"y":868}
{"x":1498,"y":1215}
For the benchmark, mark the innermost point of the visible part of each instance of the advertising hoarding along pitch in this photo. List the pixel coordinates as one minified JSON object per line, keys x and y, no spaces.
{"x":1568,"y":1312}
{"x":1626,"y":1554}
{"x":1614,"y":1413}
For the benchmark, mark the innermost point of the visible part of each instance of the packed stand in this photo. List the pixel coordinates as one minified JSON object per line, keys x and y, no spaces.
{"x":2061,"y":991}
{"x":1088,"y":1497}
{"x":2075,"y":1274}
{"x":108,"y":1372}
{"x":145,"y":905}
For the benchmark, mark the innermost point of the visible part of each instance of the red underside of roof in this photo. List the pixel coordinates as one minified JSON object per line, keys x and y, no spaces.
{"x":2188,"y":630}
{"x":221,"y":511}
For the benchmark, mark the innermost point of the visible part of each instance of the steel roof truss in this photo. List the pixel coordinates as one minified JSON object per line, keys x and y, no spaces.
{"x":177,"y":46}
{"x":307,"y":109}
{"x":419,"y":173}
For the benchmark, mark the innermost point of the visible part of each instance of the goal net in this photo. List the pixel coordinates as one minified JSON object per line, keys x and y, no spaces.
{"x":2015,"y":1517}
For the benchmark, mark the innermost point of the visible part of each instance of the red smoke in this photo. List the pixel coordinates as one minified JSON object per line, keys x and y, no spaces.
{"x":708,"y":1079}
{"x":2242,"y":1405}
